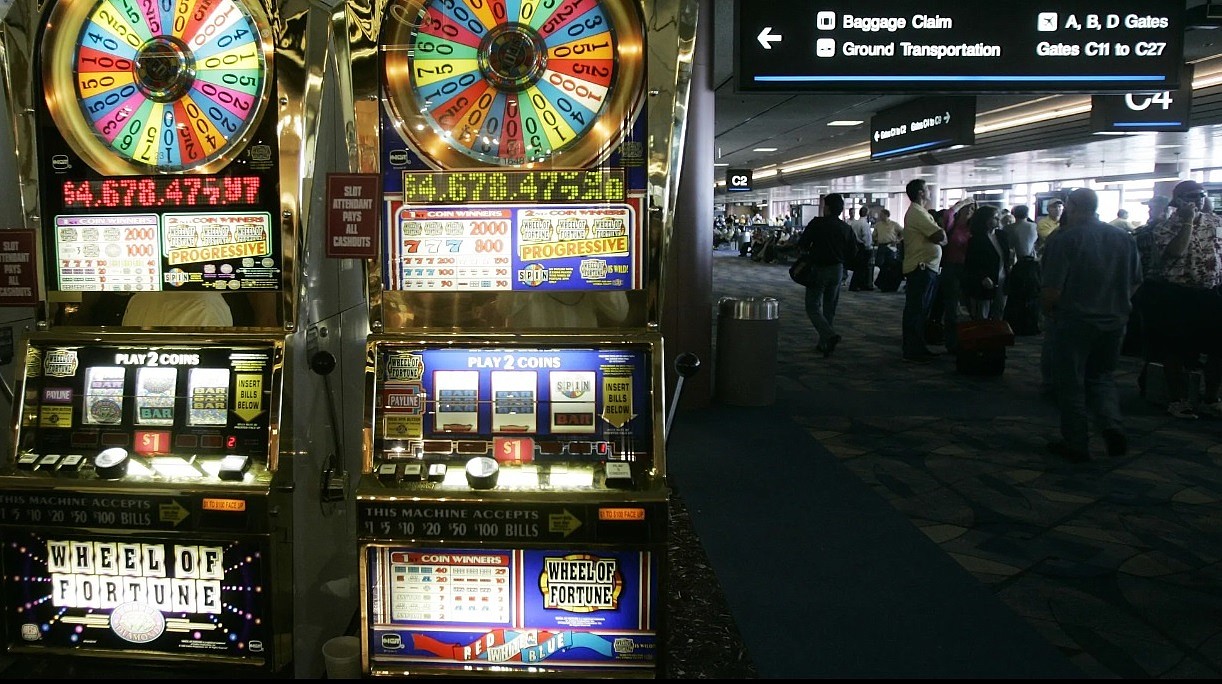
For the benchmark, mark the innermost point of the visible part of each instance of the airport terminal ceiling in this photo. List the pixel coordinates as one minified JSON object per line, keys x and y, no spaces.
{"x":796,"y":124}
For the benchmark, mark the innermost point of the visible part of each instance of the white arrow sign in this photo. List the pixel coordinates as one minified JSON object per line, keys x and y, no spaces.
{"x":766,"y":38}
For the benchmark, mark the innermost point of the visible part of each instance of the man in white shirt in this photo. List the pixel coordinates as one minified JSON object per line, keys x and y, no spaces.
{"x":1023,"y":288}
{"x":1022,"y":233}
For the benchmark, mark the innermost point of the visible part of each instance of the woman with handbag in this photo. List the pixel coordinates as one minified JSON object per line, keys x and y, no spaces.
{"x":954,"y":255}
{"x":986,"y":266}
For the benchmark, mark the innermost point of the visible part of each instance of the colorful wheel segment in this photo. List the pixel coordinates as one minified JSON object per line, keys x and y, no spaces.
{"x":157,"y":86}
{"x":513,"y":82}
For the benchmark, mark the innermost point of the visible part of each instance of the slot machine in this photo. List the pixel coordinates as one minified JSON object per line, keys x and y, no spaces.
{"x":512,"y":508}
{"x":153,"y":507}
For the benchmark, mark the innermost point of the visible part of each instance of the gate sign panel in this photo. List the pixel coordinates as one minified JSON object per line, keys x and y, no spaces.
{"x":1081,"y":46}
{"x":1167,"y":110}
{"x":738,"y":180}
{"x":923,"y":125}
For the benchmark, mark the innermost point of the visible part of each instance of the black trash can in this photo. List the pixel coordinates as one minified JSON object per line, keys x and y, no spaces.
{"x":747,"y":331}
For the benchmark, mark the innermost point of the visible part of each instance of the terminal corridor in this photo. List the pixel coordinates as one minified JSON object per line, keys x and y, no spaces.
{"x":893,"y":519}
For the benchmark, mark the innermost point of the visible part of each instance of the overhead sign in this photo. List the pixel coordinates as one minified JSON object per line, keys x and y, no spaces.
{"x":738,"y":180}
{"x":923,"y":125}
{"x":1082,"y":46}
{"x":1163,"y":111}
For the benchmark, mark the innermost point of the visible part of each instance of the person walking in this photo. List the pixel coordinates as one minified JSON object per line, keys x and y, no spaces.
{"x":923,"y":240}
{"x":1089,"y":276}
{"x":830,"y":242}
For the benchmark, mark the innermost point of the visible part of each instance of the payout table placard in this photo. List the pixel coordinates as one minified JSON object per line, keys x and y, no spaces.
{"x":559,"y":609}
{"x":528,"y":247}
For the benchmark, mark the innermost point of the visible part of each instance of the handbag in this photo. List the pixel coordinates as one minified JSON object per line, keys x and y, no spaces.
{"x":802,"y":271}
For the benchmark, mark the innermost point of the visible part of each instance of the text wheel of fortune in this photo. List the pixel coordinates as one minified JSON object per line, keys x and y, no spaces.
{"x":513,"y":82}
{"x":153,"y":86}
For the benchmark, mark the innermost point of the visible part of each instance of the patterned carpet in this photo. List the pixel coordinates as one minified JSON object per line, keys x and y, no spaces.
{"x":1115,"y":562}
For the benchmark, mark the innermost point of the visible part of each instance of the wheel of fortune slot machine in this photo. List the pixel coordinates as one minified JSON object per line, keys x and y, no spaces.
{"x":146,"y":515}
{"x":512,"y":507}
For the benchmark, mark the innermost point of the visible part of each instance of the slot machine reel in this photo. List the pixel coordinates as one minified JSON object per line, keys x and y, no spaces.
{"x":157,"y":87}
{"x":513,"y":84}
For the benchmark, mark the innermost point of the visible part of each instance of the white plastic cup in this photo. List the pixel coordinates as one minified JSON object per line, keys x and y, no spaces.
{"x":343,"y":657}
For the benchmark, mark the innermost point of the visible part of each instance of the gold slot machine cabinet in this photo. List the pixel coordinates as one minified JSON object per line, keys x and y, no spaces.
{"x":151,"y":512}
{"x":512,"y":507}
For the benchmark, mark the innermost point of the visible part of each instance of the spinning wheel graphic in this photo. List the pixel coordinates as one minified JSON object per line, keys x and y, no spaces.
{"x":155,"y":86}
{"x":513,"y":82}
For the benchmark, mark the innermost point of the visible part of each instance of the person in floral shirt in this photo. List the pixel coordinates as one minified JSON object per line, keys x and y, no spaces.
{"x":1187,"y":309}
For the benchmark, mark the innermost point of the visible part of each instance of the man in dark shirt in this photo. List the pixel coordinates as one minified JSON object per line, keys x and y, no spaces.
{"x":830,"y":242}
{"x":1090,"y":272}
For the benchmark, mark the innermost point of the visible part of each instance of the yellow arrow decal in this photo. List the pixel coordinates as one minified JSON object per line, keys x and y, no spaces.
{"x":249,"y":402}
{"x":565,"y":522}
{"x":172,"y":512}
{"x":617,"y":399}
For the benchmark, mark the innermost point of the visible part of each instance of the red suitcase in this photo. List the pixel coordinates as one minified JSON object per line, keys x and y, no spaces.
{"x":984,"y":335}
{"x":982,"y":347}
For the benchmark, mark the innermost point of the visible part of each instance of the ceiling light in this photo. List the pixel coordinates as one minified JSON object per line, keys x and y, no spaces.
{"x":1060,"y":110}
{"x":1207,"y":80}
{"x":720,"y":164}
{"x":844,"y":122}
{"x":1145,"y":178}
{"x":764,"y":149}
{"x":851,"y":154}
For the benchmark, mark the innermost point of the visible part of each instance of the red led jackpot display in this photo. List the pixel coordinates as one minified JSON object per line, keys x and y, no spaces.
{"x":141,"y":193}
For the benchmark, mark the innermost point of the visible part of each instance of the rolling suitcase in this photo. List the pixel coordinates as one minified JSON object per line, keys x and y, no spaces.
{"x":985,"y":362}
{"x":890,"y":275}
{"x":982,"y":347}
